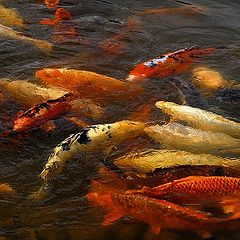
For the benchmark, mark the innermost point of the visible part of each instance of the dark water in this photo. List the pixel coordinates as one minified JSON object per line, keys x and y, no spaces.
{"x":65,"y":213}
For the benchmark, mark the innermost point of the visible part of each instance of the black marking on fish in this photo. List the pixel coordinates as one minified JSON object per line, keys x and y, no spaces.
{"x":83,"y":138}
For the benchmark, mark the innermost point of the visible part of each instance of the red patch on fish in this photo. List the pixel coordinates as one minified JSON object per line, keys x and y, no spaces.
{"x":41,"y":113}
{"x":51,"y":3}
{"x":168,"y":64}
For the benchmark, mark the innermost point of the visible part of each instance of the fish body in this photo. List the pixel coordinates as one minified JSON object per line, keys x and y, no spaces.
{"x":168,"y":64}
{"x":204,"y":188}
{"x":199,"y":118}
{"x":88,"y":84}
{"x":29,"y":93}
{"x":157,"y":213}
{"x":208,"y":80}
{"x":94,"y":138}
{"x":45,"y":46}
{"x":10,"y":17}
{"x":148,"y":161}
{"x":187,"y":10}
{"x":42,"y":113}
{"x":182,"y":137}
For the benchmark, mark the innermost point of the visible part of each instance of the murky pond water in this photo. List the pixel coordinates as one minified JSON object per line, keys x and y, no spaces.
{"x":65,"y":212}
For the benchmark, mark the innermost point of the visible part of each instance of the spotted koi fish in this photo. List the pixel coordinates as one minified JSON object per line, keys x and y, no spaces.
{"x":168,"y":64}
{"x":94,"y":138}
{"x":199,"y":118}
{"x":157,"y":213}
{"x":41,"y":113}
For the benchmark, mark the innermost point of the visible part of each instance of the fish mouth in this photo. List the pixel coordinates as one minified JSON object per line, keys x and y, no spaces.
{"x":131,"y":78}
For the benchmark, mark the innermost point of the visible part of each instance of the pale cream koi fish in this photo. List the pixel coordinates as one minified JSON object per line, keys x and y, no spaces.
{"x":199,"y":118}
{"x":8,"y":32}
{"x":148,"y":161}
{"x":182,"y":137}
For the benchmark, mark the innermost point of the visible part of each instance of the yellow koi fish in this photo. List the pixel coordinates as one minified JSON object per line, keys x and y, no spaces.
{"x":44,"y":46}
{"x":10,"y":17}
{"x":182,"y":137}
{"x":148,"y":161}
{"x":94,"y":138}
{"x":199,"y":118}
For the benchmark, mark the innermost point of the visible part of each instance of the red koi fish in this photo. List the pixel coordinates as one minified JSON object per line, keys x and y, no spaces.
{"x":157,"y":213}
{"x":200,"y":187}
{"x":168,"y":64}
{"x":41,"y":113}
{"x":60,"y":15}
{"x":51,"y":3}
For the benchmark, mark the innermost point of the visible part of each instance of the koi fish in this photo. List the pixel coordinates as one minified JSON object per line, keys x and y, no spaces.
{"x":88,"y":84}
{"x":10,"y":17}
{"x":150,"y":160}
{"x":44,"y":46}
{"x":60,"y":14}
{"x":200,"y":187}
{"x":187,"y":10}
{"x":41,"y":113}
{"x":199,"y":118}
{"x":159,"y":214}
{"x":168,"y":64}
{"x":183,"y":137}
{"x":5,"y":190}
{"x":209,"y":80}
{"x":51,"y":3}
{"x":94,"y":138}
{"x":29,"y":93}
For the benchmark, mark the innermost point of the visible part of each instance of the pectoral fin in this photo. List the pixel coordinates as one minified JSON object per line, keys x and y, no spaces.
{"x":48,"y":126}
{"x":112,"y":217}
{"x":156,"y":229}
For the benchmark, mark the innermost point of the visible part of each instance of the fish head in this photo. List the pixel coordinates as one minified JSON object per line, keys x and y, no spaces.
{"x":62,"y":14}
{"x":140,"y":72}
{"x":48,"y":73}
{"x":51,"y":3}
{"x":23,"y":123}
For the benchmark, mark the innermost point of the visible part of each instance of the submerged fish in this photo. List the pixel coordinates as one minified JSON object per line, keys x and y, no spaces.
{"x":186,"y":138}
{"x":100,"y":138}
{"x":10,"y":17}
{"x":157,"y":213}
{"x":88,"y":84}
{"x":6,"y":190}
{"x":10,"y":33}
{"x":199,"y":118}
{"x":201,"y":187}
{"x":51,"y":3}
{"x":41,"y":113}
{"x":168,"y":64}
{"x":187,"y":10}
{"x":29,"y":93}
{"x":148,"y":161}
{"x":209,"y":80}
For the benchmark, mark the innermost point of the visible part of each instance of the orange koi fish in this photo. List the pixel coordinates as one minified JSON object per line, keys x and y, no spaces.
{"x":157,"y":213}
{"x":168,"y":64}
{"x":89,"y":84}
{"x":51,"y":3}
{"x":205,"y":188}
{"x":41,"y":113}
{"x":60,"y":14}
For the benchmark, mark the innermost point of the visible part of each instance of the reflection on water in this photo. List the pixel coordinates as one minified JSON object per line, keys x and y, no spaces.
{"x":111,"y":38}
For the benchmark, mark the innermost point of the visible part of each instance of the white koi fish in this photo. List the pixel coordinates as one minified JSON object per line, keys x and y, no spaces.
{"x":199,"y":118}
{"x":94,"y":138}
{"x":182,"y":137}
{"x":8,"y":32}
{"x":148,"y":161}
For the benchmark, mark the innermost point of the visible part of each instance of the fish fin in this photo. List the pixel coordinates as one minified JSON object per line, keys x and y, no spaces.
{"x":19,"y":114}
{"x":48,"y":126}
{"x":156,"y":229}
{"x":204,"y":234}
{"x":77,"y":121}
{"x":108,"y":150}
{"x":143,"y":113}
{"x":231,"y":205}
{"x":111,"y":217}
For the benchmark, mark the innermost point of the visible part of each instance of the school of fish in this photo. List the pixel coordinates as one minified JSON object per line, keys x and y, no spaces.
{"x":189,"y":137}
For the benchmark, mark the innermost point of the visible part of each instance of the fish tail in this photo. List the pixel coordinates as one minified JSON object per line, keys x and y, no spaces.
{"x":197,"y":51}
{"x":45,"y":46}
